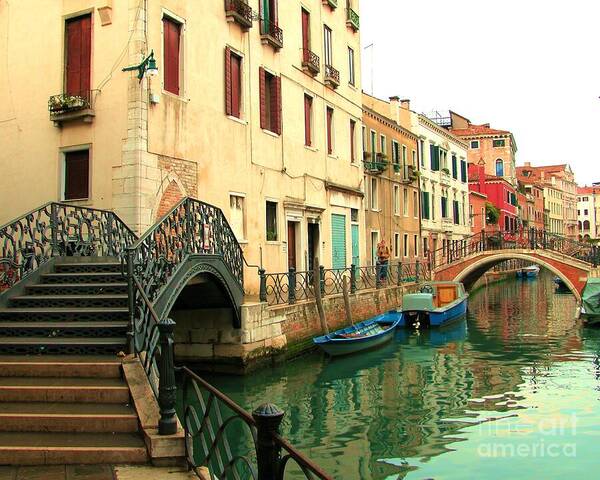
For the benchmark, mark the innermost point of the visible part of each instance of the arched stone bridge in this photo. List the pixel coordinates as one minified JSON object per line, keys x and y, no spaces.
{"x":466,"y":261}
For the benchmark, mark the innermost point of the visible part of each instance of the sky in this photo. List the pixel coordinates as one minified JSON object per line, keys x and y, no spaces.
{"x":528,"y":66}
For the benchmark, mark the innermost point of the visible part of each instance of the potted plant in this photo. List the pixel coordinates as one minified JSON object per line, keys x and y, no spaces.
{"x":271,"y":236}
{"x":446,"y":171}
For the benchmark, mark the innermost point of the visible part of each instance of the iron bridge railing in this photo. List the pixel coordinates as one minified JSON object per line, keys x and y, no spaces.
{"x":293,"y":286}
{"x":59,"y":229}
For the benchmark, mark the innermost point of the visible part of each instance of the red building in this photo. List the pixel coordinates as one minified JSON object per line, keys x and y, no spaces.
{"x":477,"y":203}
{"x":500,"y":193}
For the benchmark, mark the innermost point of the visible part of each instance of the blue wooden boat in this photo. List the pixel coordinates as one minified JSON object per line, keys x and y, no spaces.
{"x":362,"y":336}
{"x":435,"y":305}
{"x":528,"y":272}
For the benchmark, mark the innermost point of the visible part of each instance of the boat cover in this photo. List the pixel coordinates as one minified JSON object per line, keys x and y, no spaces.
{"x":417,"y":301}
{"x":591,"y":297}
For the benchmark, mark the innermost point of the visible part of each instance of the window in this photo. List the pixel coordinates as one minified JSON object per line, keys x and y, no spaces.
{"x":233,"y":83}
{"x":415,"y":205}
{"x":425,"y":245}
{"x":327,"y":45}
{"x":585,"y":212}
{"x":373,"y":144}
{"x":454,"y":167}
{"x":396,"y":200}
{"x":268,"y":13}
{"x":352,"y":141}
{"x":374,"y":194}
{"x":305,"y":34}
{"x":172,"y":55}
{"x":471,"y":216}
{"x":425,"y":202}
{"x":444,"y":207}
{"x":414,"y":159}
{"x":499,"y":143}
{"x":474,"y":143}
{"x":422,"y":151}
{"x":499,"y":168}
{"x":456,"y":212}
{"x":237,"y":222}
{"x":396,"y":245}
{"x":405,"y":249}
{"x":76,"y":175}
{"x":364,"y":140}
{"x":416,"y":245}
{"x":463,"y":171}
{"x":404,"y":155}
{"x":395,"y":152}
{"x":329,"y":121}
{"x":435,"y":157}
{"x":405,"y":202}
{"x":271,"y":222}
{"x":78,"y":50}
{"x":351,"y":66}
{"x":308,"y":102}
{"x":270,"y":101}
{"x":382,"y":148}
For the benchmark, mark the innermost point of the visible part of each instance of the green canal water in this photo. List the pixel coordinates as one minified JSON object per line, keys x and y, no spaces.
{"x":511,"y":392}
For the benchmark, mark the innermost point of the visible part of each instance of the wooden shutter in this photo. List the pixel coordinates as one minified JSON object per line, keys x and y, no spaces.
{"x":171,"y":34}
{"x":228,"y":107}
{"x":77,"y":175}
{"x":262,"y":88}
{"x":305,"y":31}
{"x":276,"y":105}
{"x":352,"y":141}
{"x":307,"y":120}
{"x":79,"y":51}
{"x":236,"y":85}
{"x":329,"y":132}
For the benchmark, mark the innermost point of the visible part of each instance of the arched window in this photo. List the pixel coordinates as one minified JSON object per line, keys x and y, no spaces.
{"x":579,"y":225}
{"x":586,"y":224}
{"x":499,"y":168}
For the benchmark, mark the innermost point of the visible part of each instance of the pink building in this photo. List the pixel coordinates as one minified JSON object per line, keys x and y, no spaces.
{"x":500,"y":192}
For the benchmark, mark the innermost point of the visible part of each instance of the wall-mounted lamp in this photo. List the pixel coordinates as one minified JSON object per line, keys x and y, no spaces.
{"x":148,"y":66}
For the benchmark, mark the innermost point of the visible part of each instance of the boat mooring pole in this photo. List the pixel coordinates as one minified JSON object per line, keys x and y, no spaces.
{"x":318,"y":298}
{"x":347,"y":301}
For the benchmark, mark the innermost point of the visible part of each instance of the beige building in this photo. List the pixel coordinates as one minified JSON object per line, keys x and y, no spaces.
{"x":255,"y":109}
{"x":588,"y":212}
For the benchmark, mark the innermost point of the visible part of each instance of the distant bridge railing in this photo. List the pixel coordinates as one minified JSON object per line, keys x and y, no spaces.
{"x":294,"y":286}
{"x":529,"y":239}
{"x":59,"y":229}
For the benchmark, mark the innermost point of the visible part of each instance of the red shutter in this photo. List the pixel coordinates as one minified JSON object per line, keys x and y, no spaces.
{"x":77,"y":175}
{"x":79,"y":52}
{"x":329,"y":122}
{"x":262,"y":87}
{"x":305,"y":30}
{"x":171,"y":32}
{"x":236,"y":85}
{"x":228,"y":108}
{"x":276,"y":105}
{"x":352,"y":140}
{"x":307,"y":120}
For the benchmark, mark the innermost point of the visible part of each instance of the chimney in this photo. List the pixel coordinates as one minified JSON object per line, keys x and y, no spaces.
{"x":481,"y":173}
{"x":528,"y":164}
{"x":405,"y":103}
{"x":395,"y":108}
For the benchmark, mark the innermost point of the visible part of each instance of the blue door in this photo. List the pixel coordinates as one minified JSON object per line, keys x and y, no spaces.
{"x":338,"y":241}
{"x":355,"y":246}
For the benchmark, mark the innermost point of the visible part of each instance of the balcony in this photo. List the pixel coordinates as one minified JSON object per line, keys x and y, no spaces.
{"x":271,"y":34}
{"x":332,"y":3}
{"x":311,"y":63}
{"x":353,"y":20}
{"x":377,"y":165}
{"x":332,"y":77}
{"x":409,"y":174}
{"x":238,"y":11}
{"x":70,"y":107}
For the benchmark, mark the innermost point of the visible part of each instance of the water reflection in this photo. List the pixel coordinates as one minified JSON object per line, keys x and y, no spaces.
{"x":518,"y":358}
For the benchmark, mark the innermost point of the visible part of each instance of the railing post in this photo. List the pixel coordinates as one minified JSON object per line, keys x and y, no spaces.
{"x":322,"y":279}
{"x":378,"y":275}
{"x":483,"y":246}
{"x":167,"y":388}
{"x":263,"y":285}
{"x":131,"y":300}
{"x":399,"y":278}
{"x":54,"y":228}
{"x":417,"y":271}
{"x":268,"y":418}
{"x":532,"y":242}
{"x":352,"y":278}
{"x":292,"y":286}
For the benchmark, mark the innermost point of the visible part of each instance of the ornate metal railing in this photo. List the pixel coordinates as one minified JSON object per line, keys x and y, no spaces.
{"x":332,"y":75}
{"x":353,"y":19}
{"x":311,"y":61}
{"x":293,"y":286}
{"x":190,"y":228}
{"x":59,"y":229}
{"x":210,"y":418}
{"x":240,"y":11}
{"x":272,"y":30}
{"x":530,"y":239}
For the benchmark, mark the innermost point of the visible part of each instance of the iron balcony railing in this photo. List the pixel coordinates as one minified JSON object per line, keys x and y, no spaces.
{"x":294,"y":286}
{"x":240,"y":12}
{"x":353,"y":20}
{"x":311,"y":61}
{"x":332,"y":76}
{"x":70,"y":102}
{"x":271,"y":33}
{"x":332,"y":3}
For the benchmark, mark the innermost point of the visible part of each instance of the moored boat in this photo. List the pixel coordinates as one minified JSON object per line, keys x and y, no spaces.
{"x":528,"y":272}
{"x":362,"y":336}
{"x":436,"y":304}
{"x":590,"y":309}
{"x":561,"y":286}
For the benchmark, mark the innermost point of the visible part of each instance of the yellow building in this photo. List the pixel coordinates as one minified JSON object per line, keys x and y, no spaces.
{"x":256,"y":108}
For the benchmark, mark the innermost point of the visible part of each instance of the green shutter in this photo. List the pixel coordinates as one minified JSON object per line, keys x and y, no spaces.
{"x":435,"y":162}
{"x":338,"y":241}
{"x":454,"y":167}
{"x":425,"y":205}
{"x":355,"y":248}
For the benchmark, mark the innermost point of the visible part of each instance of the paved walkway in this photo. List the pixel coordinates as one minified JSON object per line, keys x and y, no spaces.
{"x":95,"y":472}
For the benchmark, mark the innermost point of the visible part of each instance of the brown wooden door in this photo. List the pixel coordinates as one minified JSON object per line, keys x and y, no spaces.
{"x":79,"y":52}
{"x":291,"y":238}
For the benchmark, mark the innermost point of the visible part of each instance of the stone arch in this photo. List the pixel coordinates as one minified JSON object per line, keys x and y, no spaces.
{"x":475,"y":270}
{"x":170,"y":191}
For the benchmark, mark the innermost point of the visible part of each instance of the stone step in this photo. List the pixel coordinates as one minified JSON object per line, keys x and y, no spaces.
{"x":18,"y":448}
{"x":67,"y":417}
{"x":60,"y":366}
{"x":67,"y":389}
{"x":99,"y":329}
{"x":63,"y":314}
{"x":62,"y":346}
{"x":77,"y":289}
{"x":88,"y":267}
{"x":64,"y":301}
{"x":70,"y":278}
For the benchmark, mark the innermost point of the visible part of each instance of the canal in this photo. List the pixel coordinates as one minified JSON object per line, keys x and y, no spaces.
{"x":510,"y":392}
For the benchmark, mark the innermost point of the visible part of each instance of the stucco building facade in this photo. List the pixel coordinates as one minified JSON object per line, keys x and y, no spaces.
{"x":256,"y":109}
{"x":588,"y":212}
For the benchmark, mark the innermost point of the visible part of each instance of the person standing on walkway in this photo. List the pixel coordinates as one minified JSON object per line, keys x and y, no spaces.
{"x":383,"y":259}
